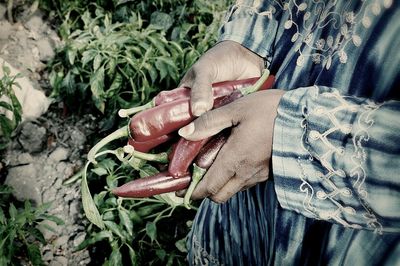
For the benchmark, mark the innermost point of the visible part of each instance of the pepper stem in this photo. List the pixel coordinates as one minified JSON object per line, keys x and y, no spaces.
{"x":117,"y":134}
{"x":197,"y":175}
{"x":256,"y":86}
{"x":128,"y":112}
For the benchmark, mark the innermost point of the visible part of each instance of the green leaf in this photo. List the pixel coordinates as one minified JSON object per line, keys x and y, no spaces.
{"x":88,"y":56}
{"x":53,"y":218}
{"x":116,"y":256}
{"x":100,"y":171}
{"x":6,"y":106}
{"x":97,"y":61}
{"x":126,"y":221}
{"x":90,"y":209}
{"x":161,"y":254}
{"x":97,"y":88}
{"x":151,"y":230}
{"x":71,"y":55}
{"x":147,"y":170}
{"x":115,"y":85}
{"x":37,"y":235}
{"x":181,"y":245}
{"x":96,"y":237}
{"x":7,"y":126}
{"x":12,"y":211}
{"x":132,"y":256}
{"x":34,"y":255}
{"x":116,"y":229}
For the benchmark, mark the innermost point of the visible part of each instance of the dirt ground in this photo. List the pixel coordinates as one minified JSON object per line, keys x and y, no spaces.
{"x":48,"y":150}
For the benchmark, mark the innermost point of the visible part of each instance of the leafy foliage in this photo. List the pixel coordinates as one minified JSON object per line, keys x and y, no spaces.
{"x":120,"y":58}
{"x":8,"y":103}
{"x":20,"y":237}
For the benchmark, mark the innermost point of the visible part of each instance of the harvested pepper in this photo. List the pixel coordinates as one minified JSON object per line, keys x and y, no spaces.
{"x":219,"y":89}
{"x":204,"y":160}
{"x":152,"y":185}
{"x":146,"y":146}
{"x":183,"y":155}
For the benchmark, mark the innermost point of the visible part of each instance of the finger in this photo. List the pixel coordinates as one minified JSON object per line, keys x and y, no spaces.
{"x":239,"y":183}
{"x":199,"y":79}
{"x":220,"y":172}
{"x":210,"y":123}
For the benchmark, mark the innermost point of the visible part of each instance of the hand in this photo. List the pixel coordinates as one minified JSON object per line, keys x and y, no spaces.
{"x":227,"y":60}
{"x":244,"y":160}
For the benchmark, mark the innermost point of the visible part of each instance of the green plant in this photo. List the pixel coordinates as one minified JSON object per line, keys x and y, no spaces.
{"x":8,"y":103}
{"x":120,"y":59}
{"x":20,"y":237}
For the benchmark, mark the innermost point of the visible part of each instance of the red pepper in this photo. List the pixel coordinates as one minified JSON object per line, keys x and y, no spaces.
{"x":146,"y":146}
{"x":152,"y":185}
{"x":169,"y":117}
{"x":183,"y":156}
{"x":219,"y":89}
{"x":203,"y":161}
{"x":210,"y":150}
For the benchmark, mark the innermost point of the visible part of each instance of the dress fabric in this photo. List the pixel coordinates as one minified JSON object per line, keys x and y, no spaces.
{"x":334,"y":194}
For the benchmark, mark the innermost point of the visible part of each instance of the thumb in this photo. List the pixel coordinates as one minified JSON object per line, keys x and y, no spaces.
{"x":209,"y":124}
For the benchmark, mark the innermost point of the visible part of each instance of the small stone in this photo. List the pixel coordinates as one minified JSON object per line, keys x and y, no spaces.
{"x":35,"y":23}
{"x":48,"y":256}
{"x":74,"y":209}
{"x":49,"y":195}
{"x":59,"y":154}
{"x":24,"y":158}
{"x":61,"y":241}
{"x":46,"y":50}
{"x":22,"y":179}
{"x":77,"y":138}
{"x":62,"y":260}
{"x":32,"y":137}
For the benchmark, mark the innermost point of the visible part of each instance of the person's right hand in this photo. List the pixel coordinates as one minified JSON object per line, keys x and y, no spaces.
{"x":227,"y":60}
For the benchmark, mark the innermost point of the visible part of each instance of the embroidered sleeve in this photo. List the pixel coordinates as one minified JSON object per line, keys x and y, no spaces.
{"x":253,"y":24}
{"x":337,"y":158}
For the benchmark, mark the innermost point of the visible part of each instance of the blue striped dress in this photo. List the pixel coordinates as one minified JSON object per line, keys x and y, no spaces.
{"x":334,"y":194}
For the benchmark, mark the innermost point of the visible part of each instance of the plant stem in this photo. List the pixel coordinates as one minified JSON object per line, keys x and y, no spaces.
{"x":128,"y":112}
{"x":257,"y":85}
{"x":117,"y":134}
{"x":197,"y":175}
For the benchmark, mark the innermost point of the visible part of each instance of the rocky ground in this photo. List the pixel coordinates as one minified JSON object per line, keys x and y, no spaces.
{"x":48,"y":150}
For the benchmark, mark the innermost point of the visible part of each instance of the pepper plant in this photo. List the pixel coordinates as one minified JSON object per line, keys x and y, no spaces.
{"x":8,"y":103}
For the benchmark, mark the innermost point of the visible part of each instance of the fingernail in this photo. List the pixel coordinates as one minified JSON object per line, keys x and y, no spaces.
{"x":187,"y":130}
{"x":199,"y":109}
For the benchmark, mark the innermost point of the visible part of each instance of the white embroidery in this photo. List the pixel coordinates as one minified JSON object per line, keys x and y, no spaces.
{"x":307,"y":22}
{"x":201,"y":256}
{"x":356,"y":175}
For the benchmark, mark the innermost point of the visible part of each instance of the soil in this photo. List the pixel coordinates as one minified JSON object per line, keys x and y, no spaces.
{"x":48,"y":150}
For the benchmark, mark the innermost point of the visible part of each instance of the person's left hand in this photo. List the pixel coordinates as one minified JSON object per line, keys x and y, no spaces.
{"x":244,"y":160}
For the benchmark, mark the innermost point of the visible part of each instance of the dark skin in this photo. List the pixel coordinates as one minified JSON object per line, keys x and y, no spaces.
{"x":245,"y":159}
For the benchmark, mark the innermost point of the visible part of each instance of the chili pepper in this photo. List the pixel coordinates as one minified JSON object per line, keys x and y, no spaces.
{"x":203,"y":161}
{"x":183,"y":156}
{"x":219,"y":89}
{"x":166,"y":118}
{"x":145,"y":146}
{"x":152,"y":185}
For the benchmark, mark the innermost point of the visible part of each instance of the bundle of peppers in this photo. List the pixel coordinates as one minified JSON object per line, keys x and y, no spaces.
{"x":156,"y":123}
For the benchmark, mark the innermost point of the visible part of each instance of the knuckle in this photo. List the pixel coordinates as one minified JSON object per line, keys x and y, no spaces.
{"x":218,"y":199}
{"x":212,"y":190}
